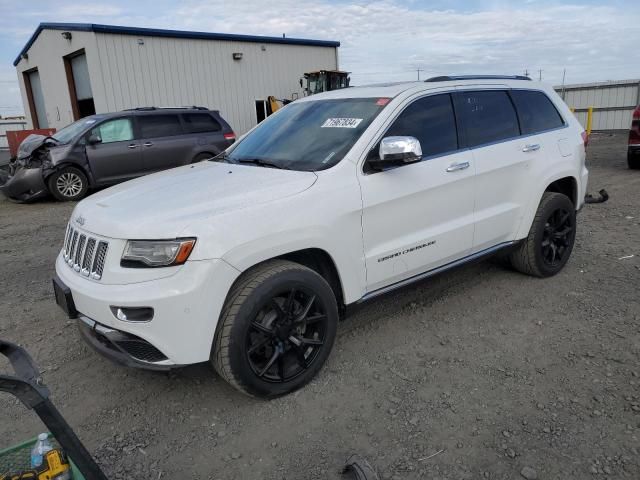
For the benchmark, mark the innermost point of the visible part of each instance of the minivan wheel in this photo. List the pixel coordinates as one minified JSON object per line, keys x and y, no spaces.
{"x":202,"y":156}
{"x":276,"y":329}
{"x":68,"y":183}
{"x":548,"y":246}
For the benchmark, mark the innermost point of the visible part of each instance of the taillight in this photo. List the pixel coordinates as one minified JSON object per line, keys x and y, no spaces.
{"x":230,"y":136}
{"x":634,"y":133}
{"x":585,"y":139}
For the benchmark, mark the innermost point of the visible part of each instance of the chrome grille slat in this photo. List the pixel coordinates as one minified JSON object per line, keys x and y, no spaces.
{"x":83,"y":253}
{"x":87,"y":258}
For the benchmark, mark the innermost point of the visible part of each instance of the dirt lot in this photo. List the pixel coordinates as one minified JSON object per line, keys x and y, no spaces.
{"x":475,"y":374}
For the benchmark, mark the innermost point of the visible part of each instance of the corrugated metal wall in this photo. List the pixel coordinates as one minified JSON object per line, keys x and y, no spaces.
{"x":613,"y":102}
{"x":155,"y":71}
{"x":128,"y":71}
{"x":46,"y":55}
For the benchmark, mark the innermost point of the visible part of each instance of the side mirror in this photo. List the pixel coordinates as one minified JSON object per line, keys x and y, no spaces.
{"x":395,"y":151}
{"x":94,"y":139}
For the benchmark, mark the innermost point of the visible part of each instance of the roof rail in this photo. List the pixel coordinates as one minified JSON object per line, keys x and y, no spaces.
{"x":146,"y":109}
{"x":447,"y":78}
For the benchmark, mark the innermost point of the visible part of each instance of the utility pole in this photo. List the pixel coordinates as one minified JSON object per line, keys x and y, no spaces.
{"x":526,"y":72}
{"x":540,"y":75}
{"x":419,"y":70}
{"x":564,"y":74}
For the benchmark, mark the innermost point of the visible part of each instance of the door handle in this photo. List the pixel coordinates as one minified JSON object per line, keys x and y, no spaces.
{"x":133,"y":145}
{"x":531,"y":147}
{"x":454,"y":167}
{"x":148,"y":144}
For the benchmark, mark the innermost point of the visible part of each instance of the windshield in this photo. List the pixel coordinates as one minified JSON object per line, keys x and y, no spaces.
{"x":71,"y":131}
{"x":308,"y":136}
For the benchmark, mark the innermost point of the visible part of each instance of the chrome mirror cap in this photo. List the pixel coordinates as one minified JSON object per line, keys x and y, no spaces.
{"x":402,"y":149}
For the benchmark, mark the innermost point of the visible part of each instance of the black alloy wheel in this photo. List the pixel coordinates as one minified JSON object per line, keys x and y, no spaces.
{"x":286,"y":336}
{"x":557,"y":237}
{"x":276,"y":329}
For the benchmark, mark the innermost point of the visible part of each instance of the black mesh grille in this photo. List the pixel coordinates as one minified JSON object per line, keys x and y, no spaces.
{"x":141,"y":350}
{"x":88,"y":254}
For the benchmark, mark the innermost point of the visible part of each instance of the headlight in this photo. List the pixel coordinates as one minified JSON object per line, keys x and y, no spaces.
{"x":156,"y":253}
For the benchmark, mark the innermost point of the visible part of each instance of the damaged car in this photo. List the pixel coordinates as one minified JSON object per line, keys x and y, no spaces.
{"x":110,"y":148}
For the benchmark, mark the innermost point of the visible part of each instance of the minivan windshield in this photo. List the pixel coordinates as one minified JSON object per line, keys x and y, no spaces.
{"x":74,"y":129}
{"x":308,"y":136}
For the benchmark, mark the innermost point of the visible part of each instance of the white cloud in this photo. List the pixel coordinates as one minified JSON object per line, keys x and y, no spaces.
{"x":383,"y":40}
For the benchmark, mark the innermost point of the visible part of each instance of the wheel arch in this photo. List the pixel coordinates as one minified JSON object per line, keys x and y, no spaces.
{"x":317,"y":259}
{"x":59,"y":166}
{"x":564,"y":183}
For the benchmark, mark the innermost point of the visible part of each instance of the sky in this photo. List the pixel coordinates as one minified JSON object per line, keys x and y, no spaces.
{"x":381,"y":40}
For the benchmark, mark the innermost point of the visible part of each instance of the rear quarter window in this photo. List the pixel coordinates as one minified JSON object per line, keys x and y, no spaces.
{"x":536,"y":111}
{"x":487,"y":116}
{"x":200,"y":123}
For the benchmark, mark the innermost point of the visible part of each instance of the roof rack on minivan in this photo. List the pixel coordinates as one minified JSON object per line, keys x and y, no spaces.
{"x":447,"y":78}
{"x":146,"y":109}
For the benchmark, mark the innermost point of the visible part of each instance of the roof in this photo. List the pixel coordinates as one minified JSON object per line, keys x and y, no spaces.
{"x":607,"y":84}
{"x":391,"y":90}
{"x":157,"y":32}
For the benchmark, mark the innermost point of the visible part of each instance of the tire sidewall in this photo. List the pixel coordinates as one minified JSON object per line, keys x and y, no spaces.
{"x":239,"y":363}
{"x":53,"y":179}
{"x":555,"y":203}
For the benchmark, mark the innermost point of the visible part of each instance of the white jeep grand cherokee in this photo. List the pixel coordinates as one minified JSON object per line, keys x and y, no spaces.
{"x":249,"y":260}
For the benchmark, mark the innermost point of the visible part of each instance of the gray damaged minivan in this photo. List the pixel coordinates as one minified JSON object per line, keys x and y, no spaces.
{"x":109,"y":148}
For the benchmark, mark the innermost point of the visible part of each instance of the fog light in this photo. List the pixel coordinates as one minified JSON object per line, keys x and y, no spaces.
{"x":133,"y":314}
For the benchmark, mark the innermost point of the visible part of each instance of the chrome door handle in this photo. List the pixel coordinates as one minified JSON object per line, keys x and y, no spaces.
{"x":133,"y":145}
{"x":148,"y":144}
{"x":531,"y":147}
{"x":457,"y":166}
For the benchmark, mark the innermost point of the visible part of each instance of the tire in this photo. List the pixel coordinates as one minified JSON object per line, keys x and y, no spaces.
{"x":202,"y":156}
{"x":548,"y":246}
{"x":68,"y":184}
{"x":633,"y":161}
{"x":253,"y":350}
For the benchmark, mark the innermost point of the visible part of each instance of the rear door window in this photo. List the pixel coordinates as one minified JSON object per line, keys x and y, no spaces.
{"x":200,"y":123}
{"x":487,"y":116}
{"x":153,"y":126}
{"x":432,"y":122}
{"x":536,"y":112}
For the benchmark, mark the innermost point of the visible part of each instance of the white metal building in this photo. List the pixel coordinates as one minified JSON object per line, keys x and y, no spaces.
{"x":613,"y":102}
{"x":68,"y":70}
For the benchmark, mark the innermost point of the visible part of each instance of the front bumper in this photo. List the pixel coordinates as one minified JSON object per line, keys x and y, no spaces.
{"x":122,"y":347}
{"x":25,"y":185}
{"x":186,"y":307}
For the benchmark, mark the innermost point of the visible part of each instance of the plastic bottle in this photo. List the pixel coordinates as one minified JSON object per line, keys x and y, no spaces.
{"x":42,"y":446}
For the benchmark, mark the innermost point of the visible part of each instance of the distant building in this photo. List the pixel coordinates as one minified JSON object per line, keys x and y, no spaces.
{"x":613,"y":102}
{"x":69,"y":70}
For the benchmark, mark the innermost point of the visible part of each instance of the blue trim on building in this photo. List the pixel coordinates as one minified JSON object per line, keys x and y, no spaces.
{"x":157,"y":32}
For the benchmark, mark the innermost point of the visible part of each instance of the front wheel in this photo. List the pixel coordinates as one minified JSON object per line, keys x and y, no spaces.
{"x":276,"y":329}
{"x":548,"y":246}
{"x":68,"y":183}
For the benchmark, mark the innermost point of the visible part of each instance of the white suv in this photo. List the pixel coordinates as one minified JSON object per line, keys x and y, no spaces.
{"x":248,"y":261}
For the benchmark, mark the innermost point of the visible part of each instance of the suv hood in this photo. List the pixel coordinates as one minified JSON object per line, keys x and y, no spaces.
{"x":164,"y":204}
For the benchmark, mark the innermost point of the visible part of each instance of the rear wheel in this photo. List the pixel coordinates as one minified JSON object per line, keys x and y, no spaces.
{"x":276,"y":329}
{"x":548,"y":246}
{"x":633,"y":161}
{"x":68,"y":183}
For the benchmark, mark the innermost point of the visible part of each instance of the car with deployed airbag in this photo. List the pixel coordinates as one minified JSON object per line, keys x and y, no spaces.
{"x":105,"y":149}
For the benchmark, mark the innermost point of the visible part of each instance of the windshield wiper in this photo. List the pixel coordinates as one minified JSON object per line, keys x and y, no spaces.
{"x":221,"y":157}
{"x":260,"y":162}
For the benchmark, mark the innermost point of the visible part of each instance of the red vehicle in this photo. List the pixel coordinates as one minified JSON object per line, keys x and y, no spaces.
{"x":633,"y":152}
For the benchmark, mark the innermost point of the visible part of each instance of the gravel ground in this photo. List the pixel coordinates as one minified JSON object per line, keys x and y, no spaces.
{"x":481,"y":373}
